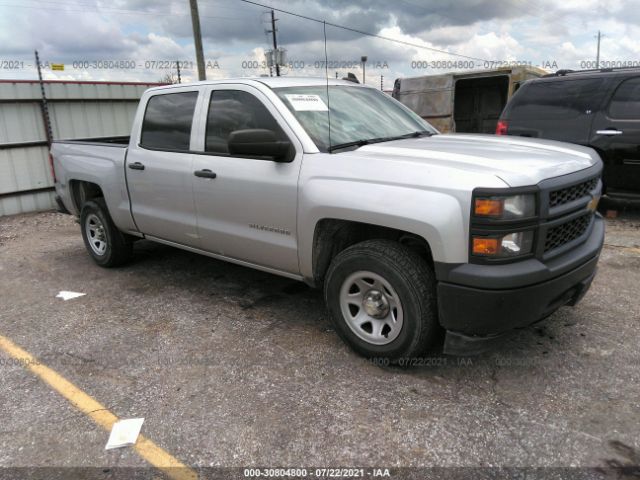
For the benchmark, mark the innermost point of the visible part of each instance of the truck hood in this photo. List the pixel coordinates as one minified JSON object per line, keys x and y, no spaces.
{"x":516,"y":161}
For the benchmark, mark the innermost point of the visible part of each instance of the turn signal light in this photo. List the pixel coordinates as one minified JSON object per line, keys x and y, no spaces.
{"x":505,"y":246}
{"x":489,"y":207}
{"x":485,"y":245}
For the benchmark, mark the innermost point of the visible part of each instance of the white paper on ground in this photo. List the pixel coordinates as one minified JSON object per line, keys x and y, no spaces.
{"x":69,"y":295}
{"x":124,"y":433}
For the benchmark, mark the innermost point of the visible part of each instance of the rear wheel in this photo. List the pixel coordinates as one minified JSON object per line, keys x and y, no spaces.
{"x":382,"y":300}
{"x":105,"y":243}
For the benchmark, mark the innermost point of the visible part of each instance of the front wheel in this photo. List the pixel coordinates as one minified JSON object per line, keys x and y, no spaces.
{"x":382,"y":300}
{"x":105,"y":243}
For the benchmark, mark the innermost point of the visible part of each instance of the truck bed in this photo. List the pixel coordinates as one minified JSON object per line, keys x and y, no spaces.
{"x":97,"y":161}
{"x":119,"y":141}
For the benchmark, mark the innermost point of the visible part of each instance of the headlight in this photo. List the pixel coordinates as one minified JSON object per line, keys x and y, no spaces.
{"x":504,"y":246}
{"x":512,"y":207}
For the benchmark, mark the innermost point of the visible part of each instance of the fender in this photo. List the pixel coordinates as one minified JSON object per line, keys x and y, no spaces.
{"x":435,"y":216}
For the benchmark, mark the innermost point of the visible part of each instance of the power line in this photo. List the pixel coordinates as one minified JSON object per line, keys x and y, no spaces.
{"x":362,"y":32}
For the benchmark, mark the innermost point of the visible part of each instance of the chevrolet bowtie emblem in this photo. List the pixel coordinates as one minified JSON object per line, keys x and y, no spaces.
{"x":593,"y":204}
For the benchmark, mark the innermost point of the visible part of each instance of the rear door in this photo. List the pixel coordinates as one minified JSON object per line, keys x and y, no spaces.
{"x":616,"y":134}
{"x":556,"y":109}
{"x":248,"y":211}
{"x":478,"y":103}
{"x":159,"y":168}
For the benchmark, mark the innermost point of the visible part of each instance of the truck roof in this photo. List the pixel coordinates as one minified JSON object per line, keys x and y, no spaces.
{"x":596,"y":72}
{"x":533,"y":70}
{"x":272,"y":82}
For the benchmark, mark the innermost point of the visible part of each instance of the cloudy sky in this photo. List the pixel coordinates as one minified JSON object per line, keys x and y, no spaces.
{"x":138,"y":40}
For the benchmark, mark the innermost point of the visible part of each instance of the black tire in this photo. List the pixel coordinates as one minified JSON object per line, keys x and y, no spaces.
{"x":118,"y":248}
{"x":414,"y":283}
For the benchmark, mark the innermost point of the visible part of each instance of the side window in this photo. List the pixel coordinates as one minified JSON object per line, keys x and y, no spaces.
{"x":562,"y":99}
{"x":231,"y":110}
{"x":625,"y":102}
{"x":167,"y":121}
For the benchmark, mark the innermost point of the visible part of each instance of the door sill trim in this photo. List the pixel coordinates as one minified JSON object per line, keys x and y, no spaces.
{"x":243,"y":263}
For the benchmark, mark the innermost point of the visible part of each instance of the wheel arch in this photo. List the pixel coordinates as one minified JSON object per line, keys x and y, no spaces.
{"x":333,"y":235}
{"x":83,"y":191}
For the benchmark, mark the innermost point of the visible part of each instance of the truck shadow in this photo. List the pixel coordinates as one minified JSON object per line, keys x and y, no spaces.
{"x":245,"y":287}
{"x":292,"y":302}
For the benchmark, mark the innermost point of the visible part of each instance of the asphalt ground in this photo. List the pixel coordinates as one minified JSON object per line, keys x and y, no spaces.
{"x":233,"y":368}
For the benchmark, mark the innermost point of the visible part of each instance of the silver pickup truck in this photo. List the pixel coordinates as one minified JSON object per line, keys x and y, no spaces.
{"x":408,"y":231}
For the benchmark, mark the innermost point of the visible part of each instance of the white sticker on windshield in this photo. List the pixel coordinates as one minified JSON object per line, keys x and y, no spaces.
{"x":307,"y":103}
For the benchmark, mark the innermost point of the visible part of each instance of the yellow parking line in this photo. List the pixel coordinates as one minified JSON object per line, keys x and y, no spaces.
{"x":148,"y":450}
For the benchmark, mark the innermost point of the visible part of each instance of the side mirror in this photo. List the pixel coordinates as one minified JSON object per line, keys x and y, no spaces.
{"x":258,"y":142}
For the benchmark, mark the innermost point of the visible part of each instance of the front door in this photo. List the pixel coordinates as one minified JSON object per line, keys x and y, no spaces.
{"x":246,"y":207}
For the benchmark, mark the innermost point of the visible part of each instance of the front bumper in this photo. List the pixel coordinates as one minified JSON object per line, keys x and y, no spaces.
{"x":475,"y":313}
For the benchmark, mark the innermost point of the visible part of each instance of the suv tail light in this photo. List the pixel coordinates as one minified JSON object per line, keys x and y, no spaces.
{"x":501,"y":128}
{"x":53,"y":170}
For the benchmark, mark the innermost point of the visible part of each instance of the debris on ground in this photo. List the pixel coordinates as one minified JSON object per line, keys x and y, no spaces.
{"x":124,"y":433}
{"x":65,"y":295}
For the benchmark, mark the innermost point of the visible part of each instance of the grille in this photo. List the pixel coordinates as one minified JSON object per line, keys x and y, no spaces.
{"x":566,"y":232}
{"x":569,"y":194}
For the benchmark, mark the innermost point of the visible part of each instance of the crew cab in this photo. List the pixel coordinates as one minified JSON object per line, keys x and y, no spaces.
{"x":338,"y":185}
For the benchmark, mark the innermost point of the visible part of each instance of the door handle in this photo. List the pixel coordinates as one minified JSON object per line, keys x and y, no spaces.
{"x":136,"y":166}
{"x":609,"y":132}
{"x":206,"y":173}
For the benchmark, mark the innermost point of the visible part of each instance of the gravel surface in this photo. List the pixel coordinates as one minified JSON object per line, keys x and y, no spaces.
{"x":233,"y":367}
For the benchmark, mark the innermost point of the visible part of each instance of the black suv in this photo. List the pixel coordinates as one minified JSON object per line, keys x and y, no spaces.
{"x":597,"y":108}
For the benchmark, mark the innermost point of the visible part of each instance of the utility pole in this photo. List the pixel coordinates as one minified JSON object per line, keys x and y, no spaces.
{"x":363,"y":59}
{"x":44,"y":106}
{"x":197,"y":39}
{"x":275,"y":43}
{"x":178,"y":68}
{"x":381,"y":83}
{"x":598,"y":51}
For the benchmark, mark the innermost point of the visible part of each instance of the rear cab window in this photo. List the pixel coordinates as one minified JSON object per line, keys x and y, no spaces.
{"x":167,"y":122}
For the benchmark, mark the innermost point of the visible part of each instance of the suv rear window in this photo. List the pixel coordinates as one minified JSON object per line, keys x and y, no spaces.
{"x":167,"y":121}
{"x":561,"y":99}
{"x":625,"y":102}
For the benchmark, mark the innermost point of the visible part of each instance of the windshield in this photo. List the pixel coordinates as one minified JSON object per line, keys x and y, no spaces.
{"x":357,"y":115}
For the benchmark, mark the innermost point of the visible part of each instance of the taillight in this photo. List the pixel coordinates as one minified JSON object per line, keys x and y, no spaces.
{"x":501,"y":128}
{"x":53,"y":170}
